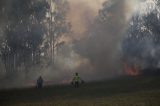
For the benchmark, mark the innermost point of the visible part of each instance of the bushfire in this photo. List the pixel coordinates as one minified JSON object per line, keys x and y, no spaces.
{"x":132,"y":70}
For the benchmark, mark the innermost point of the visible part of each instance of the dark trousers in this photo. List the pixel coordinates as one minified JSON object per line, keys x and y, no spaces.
{"x":76,"y":84}
{"x":39,"y":85}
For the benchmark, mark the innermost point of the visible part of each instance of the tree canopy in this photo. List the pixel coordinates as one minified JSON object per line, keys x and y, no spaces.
{"x":27,"y":25}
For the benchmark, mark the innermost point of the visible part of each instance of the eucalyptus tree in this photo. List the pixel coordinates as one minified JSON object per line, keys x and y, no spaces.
{"x":57,"y":26}
{"x":141,"y":44}
{"x":23,"y":32}
{"x":30,"y":28}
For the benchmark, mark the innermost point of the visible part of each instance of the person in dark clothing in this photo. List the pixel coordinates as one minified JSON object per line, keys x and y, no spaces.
{"x":76,"y":80}
{"x":40,"y":82}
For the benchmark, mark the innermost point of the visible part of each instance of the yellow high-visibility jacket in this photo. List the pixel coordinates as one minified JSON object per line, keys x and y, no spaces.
{"x":76,"y":79}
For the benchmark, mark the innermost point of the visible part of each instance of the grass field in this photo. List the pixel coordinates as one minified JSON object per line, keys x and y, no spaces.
{"x":128,"y":91}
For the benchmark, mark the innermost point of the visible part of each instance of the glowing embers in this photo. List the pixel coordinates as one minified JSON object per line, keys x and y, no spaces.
{"x":131,"y":70}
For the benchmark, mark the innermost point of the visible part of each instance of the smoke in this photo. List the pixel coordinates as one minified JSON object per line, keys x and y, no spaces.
{"x":102,"y":47}
{"x":82,"y":13}
{"x":93,"y":48}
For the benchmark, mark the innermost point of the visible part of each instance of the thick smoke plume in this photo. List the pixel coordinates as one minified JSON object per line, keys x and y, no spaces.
{"x":100,"y":43}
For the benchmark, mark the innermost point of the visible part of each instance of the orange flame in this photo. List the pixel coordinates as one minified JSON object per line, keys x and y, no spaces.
{"x":131,"y":70}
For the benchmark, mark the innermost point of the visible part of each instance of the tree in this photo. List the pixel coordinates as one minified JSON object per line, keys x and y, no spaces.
{"x":57,"y":26}
{"x":141,"y":45}
{"x":31,"y":28}
{"x":24,"y":31}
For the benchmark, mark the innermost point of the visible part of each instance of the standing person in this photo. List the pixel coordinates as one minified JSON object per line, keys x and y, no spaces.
{"x":40,"y":82}
{"x":76,"y":80}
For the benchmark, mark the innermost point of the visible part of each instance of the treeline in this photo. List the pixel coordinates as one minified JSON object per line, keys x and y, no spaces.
{"x":29,"y":32}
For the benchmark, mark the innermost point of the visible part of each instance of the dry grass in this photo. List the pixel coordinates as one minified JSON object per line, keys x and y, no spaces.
{"x":124,"y":92}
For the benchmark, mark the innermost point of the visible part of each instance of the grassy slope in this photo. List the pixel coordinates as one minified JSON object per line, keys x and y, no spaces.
{"x":139,"y":91}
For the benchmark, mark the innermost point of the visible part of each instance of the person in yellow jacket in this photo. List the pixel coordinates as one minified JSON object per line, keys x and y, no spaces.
{"x":76,"y":80}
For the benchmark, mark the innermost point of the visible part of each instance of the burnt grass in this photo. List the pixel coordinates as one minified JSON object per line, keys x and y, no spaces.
{"x":128,"y":88}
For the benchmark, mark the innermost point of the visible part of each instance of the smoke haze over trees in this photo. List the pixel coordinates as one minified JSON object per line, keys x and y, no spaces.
{"x":141,"y":44}
{"x":56,"y":38}
{"x":29,"y":33}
